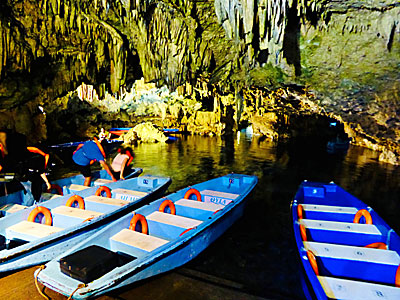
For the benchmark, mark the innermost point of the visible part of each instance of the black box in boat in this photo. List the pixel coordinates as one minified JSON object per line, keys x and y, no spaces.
{"x":91,"y":263}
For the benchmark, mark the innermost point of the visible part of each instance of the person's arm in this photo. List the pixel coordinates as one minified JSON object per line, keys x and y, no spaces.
{"x":123,"y":168}
{"x":44,"y":177}
{"x":107,"y":168}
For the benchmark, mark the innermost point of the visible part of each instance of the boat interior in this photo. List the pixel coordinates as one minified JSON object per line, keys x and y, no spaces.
{"x":350,"y":248}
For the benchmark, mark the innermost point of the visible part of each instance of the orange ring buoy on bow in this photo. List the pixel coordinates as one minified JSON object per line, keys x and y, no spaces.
{"x":363,"y":213}
{"x":300,"y":211}
{"x":183,"y":232}
{"x":378,"y":245}
{"x":397,"y":279}
{"x":57,"y":188}
{"x":313,"y":262}
{"x":41,"y":210}
{"x":303,"y":232}
{"x":76,"y":198}
{"x":170,"y":204}
{"x":139,"y":218}
{"x":103,"y":188}
{"x":192,"y":191}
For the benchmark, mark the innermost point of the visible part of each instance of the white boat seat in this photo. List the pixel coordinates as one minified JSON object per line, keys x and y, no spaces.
{"x":101,"y":181}
{"x":173,"y":220}
{"x":12,"y":208}
{"x":74,"y":212}
{"x":219,"y":194}
{"x":138,"y":240}
{"x":336,"y":288}
{"x":340,"y":226}
{"x":29,"y":231}
{"x":353,"y":253}
{"x":330,"y":209}
{"x":199,"y":205}
{"x":48,"y":196}
{"x":77,"y":187}
{"x":105,"y":200}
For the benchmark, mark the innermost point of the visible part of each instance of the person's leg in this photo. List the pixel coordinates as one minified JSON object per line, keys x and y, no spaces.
{"x":87,"y":173}
{"x":87,"y":181}
{"x":36,"y":186}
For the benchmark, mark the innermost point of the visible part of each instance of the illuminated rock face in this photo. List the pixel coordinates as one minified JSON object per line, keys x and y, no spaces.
{"x":348,"y":52}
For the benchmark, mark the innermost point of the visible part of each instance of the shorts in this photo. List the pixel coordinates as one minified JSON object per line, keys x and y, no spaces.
{"x":85,"y":170}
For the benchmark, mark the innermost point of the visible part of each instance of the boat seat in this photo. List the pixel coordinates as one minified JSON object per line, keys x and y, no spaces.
{"x":218,"y":197}
{"x":352,"y":234}
{"x":367,"y":264}
{"x":103,"y":204}
{"x":329,"y":213}
{"x":196,"y":209}
{"x":126,"y":238}
{"x":101,"y":181}
{"x":66,"y":216}
{"x":10,"y":208}
{"x":30,"y":231}
{"x":49,"y":196}
{"x":77,"y":187}
{"x":336,"y":288}
{"x":128,"y":195}
{"x":169,"y":226}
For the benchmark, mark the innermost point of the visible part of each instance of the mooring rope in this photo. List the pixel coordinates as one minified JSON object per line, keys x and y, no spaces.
{"x":42,"y":267}
{"x":82,"y":285}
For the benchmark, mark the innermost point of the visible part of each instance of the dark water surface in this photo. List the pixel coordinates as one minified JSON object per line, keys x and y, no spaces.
{"x":259,"y":251}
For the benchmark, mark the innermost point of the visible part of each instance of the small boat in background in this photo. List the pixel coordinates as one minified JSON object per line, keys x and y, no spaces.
{"x":155,"y":238}
{"x":25,"y":241}
{"x":347,"y":250}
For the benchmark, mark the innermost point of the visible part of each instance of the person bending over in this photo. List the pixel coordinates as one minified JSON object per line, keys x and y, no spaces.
{"x":87,"y":153}
{"x":121,"y":162}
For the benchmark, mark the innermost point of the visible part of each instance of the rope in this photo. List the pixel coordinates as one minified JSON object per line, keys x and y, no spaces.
{"x":82,"y":285}
{"x":42,"y":267}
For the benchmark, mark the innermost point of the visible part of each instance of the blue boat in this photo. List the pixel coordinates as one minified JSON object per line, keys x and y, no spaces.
{"x":26,"y":241}
{"x":153,"y":239}
{"x":22,"y":198}
{"x":347,"y":250}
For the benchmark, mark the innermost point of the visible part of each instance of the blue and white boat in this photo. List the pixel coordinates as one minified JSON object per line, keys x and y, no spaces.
{"x":347,"y":250}
{"x":22,"y":198}
{"x":153,"y":239}
{"x":26,"y":241}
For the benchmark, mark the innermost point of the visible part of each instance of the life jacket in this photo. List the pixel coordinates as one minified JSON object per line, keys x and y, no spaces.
{"x":98,"y":145}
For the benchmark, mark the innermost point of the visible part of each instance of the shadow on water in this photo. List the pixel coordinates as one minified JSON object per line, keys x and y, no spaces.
{"x":258,"y":252}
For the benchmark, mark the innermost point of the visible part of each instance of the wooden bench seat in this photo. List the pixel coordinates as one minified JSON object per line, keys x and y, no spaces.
{"x":29,"y":231}
{"x":11,"y":208}
{"x":49,"y":196}
{"x":353,"y":253}
{"x":77,"y":187}
{"x":128,"y":195}
{"x":330,"y":209}
{"x":336,"y":288}
{"x":340,"y":226}
{"x":105,"y":200}
{"x":173,"y":220}
{"x":329,"y":212}
{"x":138,"y":240}
{"x":199,"y":205}
{"x":219,"y":194}
{"x":101,"y":181}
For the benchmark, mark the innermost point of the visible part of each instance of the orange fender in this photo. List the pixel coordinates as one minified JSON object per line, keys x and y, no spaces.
{"x":41,"y":210}
{"x":76,"y":198}
{"x":365,"y":213}
{"x":139,"y":218}
{"x":300,"y":211}
{"x":303,"y":232}
{"x":397,"y":279}
{"x":170,"y":204}
{"x":313,"y":262}
{"x":192,"y":191}
{"x":378,"y":245}
{"x":103,"y":188}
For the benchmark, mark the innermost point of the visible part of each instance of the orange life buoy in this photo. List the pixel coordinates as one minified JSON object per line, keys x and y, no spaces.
{"x":192,"y":191}
{"x":303,"y":232}
{"x":76,"y":198}
{"x":57,"y":188}
{"x":313,"y":262}
{"x":139,"y":218}
{"x":397,"y":279}
{"x":300,"y":211}
{"x":363,"y":213}
{"x":187,"y":231}
{"x":41,"y":210}
{"x":103,"y":188}
{"x":170,"y":204}
{"x":378,"y":245}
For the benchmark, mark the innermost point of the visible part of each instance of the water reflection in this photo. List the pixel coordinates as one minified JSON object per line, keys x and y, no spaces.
{"x":259,"y":251}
